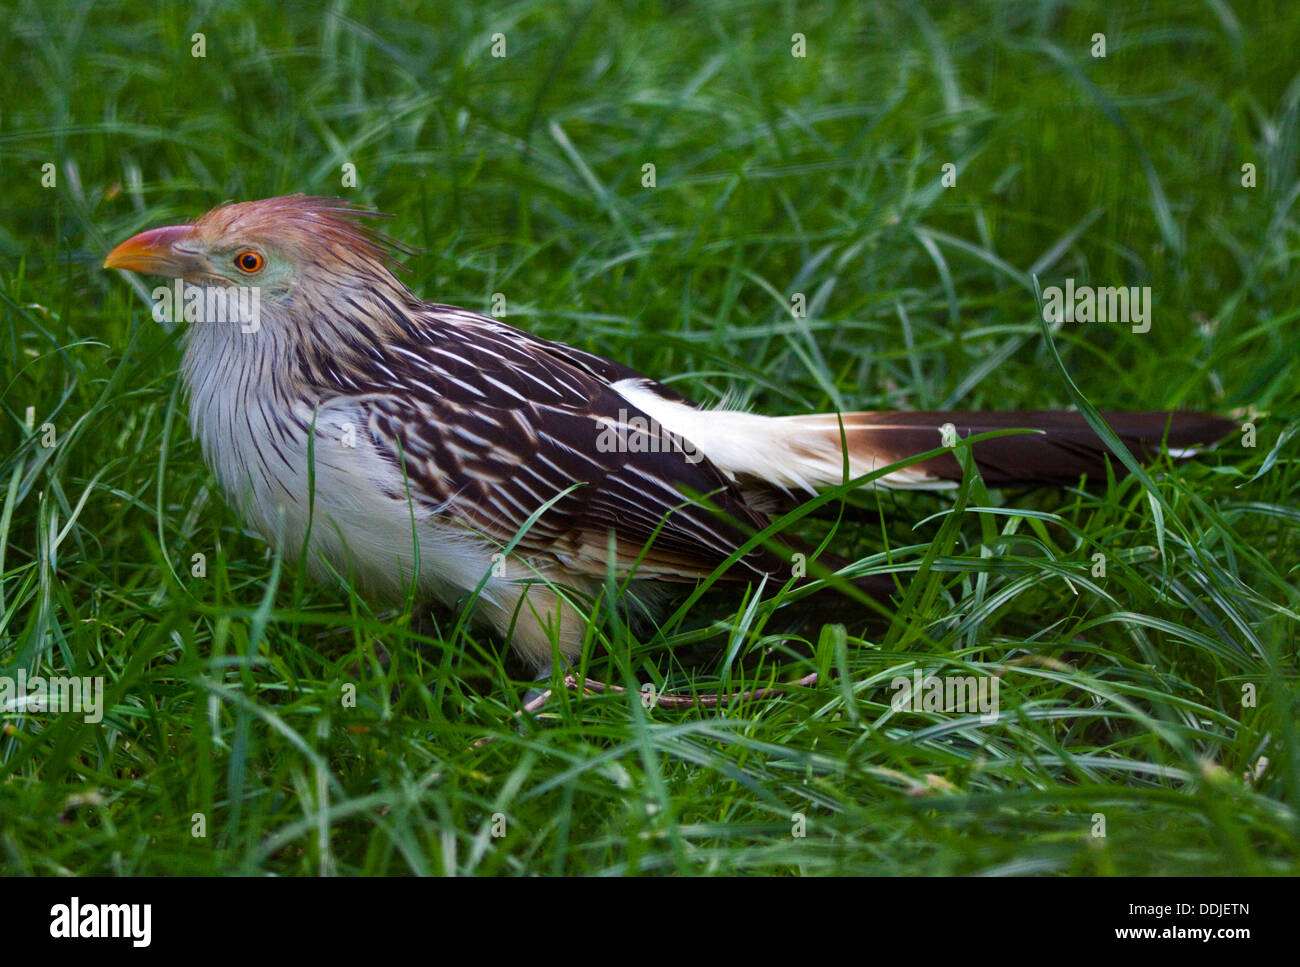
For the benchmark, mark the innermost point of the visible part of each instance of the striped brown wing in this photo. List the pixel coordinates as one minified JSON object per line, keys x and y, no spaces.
{"x":493,"y":423}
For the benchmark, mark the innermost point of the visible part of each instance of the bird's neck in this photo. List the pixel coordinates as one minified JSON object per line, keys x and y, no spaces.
{"x":244,"y":389}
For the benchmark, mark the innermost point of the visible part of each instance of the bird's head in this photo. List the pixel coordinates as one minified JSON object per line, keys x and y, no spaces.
{"x":283,"y":246}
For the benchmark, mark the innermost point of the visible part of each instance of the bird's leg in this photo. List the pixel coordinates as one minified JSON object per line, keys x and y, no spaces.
{"x":667,"y":700}
{"x":537,"y":699}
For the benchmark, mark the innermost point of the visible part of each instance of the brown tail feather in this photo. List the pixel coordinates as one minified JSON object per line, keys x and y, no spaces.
{"x":1065,"y":450}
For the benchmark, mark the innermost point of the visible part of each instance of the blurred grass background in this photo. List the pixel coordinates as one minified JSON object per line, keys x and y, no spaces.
{"x":1157,"y":704}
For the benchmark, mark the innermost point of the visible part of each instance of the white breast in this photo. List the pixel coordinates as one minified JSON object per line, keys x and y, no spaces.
{"x":360,"y":523}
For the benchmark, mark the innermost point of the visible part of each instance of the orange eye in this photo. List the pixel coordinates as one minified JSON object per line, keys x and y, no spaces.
{"x":249,"y":262}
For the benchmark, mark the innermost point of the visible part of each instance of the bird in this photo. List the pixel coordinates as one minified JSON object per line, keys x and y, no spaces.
{"x":413,"y":445}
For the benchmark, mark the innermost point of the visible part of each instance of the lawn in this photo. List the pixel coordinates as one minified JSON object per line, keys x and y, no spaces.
{"x":850,"y":206}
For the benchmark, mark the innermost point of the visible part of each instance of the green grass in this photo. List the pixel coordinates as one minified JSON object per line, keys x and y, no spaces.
{"x":1126,"y":699}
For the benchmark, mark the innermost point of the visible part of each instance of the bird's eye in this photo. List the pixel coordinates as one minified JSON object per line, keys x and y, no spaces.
{"x":249,"y":262}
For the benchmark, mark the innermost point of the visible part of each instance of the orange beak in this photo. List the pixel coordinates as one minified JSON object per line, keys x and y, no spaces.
{"x":159,"y":251}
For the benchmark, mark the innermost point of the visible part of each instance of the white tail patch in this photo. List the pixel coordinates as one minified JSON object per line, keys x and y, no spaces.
{"x":789,"y":452}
